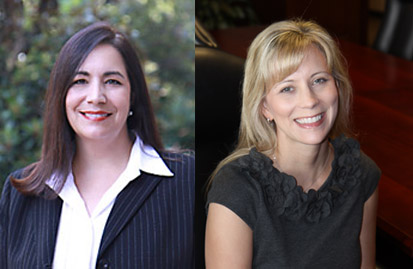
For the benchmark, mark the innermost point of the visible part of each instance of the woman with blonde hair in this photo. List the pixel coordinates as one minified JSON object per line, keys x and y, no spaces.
{"x":297,"y":192}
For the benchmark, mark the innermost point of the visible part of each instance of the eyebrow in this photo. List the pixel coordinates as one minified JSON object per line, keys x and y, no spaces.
{"x":313,"y":75}
{"x":106,"y":74}
{"x":321,"y":72}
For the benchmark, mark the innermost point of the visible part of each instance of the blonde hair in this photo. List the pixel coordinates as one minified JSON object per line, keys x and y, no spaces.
{"x":276,"y":53}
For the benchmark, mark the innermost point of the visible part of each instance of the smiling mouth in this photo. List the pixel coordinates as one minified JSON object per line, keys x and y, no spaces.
{"x":310,"y":120}
{"x":95,"y":115}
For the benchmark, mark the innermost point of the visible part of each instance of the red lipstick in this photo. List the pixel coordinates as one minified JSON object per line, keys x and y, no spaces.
{"x":95,"y":115}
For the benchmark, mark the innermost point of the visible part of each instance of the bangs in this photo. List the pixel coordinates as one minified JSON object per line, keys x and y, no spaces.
{"x":284,"y":55}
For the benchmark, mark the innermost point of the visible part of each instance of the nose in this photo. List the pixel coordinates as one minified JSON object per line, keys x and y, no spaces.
{"x":96,"y":93}
{"x":308,"y":98}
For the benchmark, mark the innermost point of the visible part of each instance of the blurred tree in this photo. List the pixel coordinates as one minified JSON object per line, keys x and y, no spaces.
{"x":11,"y":12}
{"x":33,"y":31}
{"x":48,"y":6}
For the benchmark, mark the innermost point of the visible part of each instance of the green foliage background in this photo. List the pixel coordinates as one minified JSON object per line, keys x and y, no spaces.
{"x":163,"y":33}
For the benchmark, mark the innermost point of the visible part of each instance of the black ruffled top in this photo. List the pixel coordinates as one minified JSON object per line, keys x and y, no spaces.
{"x":292,"y":228}
{"x":285,"y":198}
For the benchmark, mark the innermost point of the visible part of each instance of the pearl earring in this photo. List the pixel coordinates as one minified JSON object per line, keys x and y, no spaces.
{"x":130,"y":113}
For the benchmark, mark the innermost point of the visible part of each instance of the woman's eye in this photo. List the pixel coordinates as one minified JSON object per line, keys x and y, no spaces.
{"x":79,"y":81}
{"x":319,"y":81}
{"x":287,"y":89}
{"x":113,"y":82}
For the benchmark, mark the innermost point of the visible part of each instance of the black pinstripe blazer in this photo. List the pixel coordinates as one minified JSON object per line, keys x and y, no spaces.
{"x":150,"y":225}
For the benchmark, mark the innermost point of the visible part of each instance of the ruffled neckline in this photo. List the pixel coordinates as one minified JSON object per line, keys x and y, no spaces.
{"x":285,"y":198}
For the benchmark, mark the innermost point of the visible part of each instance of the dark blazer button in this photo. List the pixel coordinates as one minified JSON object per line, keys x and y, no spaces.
{"x":103,"y":264}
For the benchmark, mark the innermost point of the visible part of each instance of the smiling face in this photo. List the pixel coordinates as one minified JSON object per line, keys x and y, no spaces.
{"x":97,"y":103}
{"x":304,"y":104}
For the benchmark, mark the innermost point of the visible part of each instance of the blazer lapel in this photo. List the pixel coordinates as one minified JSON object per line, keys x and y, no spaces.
{"x":126,"y":205}
{"x":48,"y":220}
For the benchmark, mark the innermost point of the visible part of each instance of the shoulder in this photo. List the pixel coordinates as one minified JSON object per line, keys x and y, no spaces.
{"x":183,"y":168}
{"x":251,"y":170}
{"x":11,"y":199}
{"x":358,"y":165}
{"x":183,"y":158}
{"x":180,"y":163}
{"x":369,"y":167}
{"x":237,"y":175}
{"x":18,"y":197}
{"x":8,"y":189}
{"x":20,"y":173}
{"x":371,"y":174}
{"x":236,"y":187}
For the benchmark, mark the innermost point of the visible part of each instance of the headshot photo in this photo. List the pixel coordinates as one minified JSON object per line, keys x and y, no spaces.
{"x":100,"y":162}
{"x":309,"y":161}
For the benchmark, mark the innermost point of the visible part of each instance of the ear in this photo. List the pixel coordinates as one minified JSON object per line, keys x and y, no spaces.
{"x":266,"y":111}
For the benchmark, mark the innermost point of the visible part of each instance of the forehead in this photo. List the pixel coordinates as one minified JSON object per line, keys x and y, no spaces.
{"x":313,"y":62}
{"x":102,"y":58}
{"x":288,"y":62}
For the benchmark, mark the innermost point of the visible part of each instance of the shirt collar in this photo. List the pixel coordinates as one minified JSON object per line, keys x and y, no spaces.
{"x":147,"y":159}
{"x":142,"y":158}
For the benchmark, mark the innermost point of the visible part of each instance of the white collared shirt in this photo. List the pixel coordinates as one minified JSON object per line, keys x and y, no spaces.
{"x":79,"y":235}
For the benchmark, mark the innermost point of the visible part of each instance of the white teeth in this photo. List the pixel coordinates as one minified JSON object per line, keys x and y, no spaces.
{"x":309,"y":120}
{"x":96,"y":116}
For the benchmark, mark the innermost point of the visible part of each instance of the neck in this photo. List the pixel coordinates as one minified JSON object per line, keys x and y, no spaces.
{"x":97,"y":165}
{"x":91,"y":154}
{"x":309,"y":164}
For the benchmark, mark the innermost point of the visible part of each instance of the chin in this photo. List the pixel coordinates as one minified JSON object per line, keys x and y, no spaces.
{"x":95,"y":135}
{"x":314,"y":139}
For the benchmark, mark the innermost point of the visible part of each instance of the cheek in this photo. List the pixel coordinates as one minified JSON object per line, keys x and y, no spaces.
{"x":122,"y":102}
{"x":282,"y":109}
{"x":128,"y":98}
{"x":332,"y":100}
{"x":69,"y":107}
{"x":69,"y":101}
{"x":334,"y":97}
{"x":72,"y":100}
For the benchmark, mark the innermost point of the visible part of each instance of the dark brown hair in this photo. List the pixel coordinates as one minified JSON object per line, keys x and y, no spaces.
{"x":58,"y":146}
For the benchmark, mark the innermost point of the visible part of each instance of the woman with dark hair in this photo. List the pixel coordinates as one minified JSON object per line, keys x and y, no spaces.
{"x":104,"y":192}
